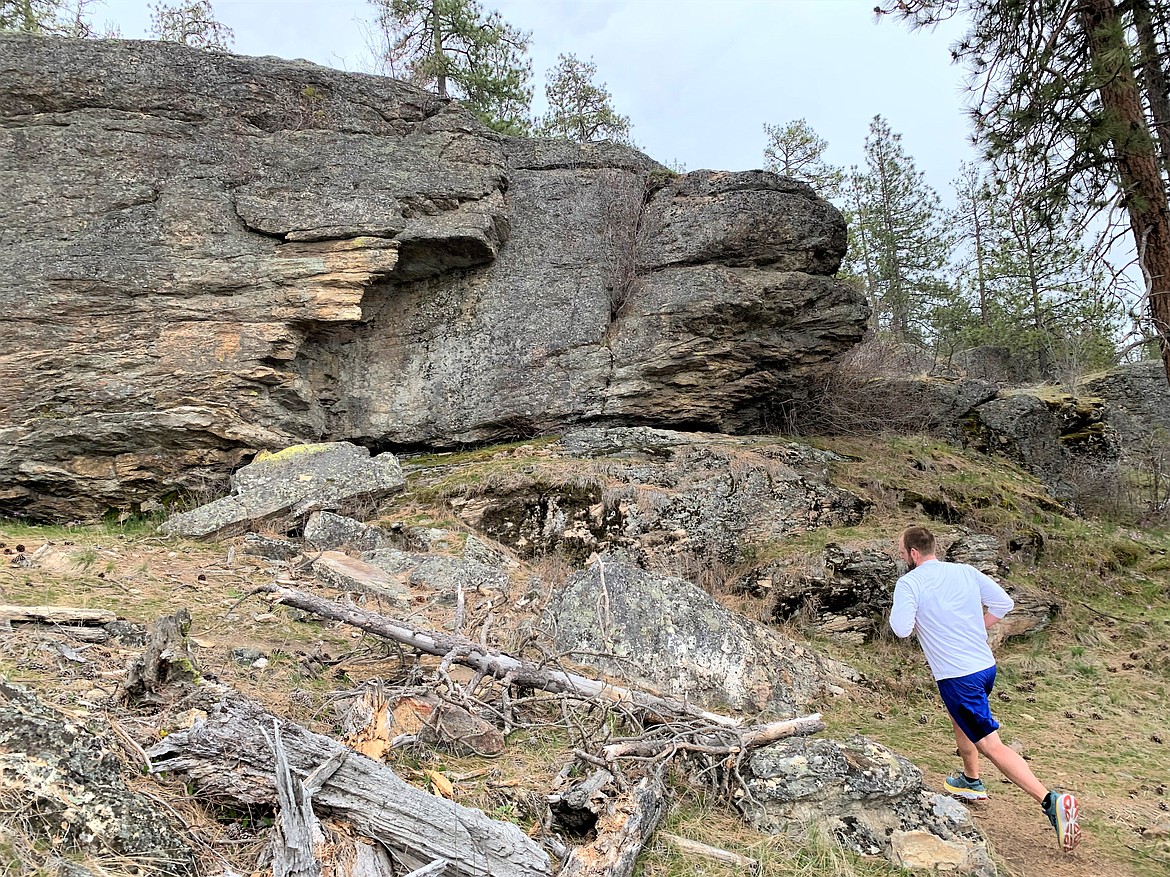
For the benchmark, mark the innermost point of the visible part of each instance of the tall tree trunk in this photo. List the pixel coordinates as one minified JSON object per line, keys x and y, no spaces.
{"x":1139,"y":176}
{"x":440,"y":57}
{"x":1153,"y":79}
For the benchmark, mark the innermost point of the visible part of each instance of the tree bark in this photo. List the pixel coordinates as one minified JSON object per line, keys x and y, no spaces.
{"x":622,"y":832}
{"x":1137,"y":165}
{"x":464,"y":651}
{"x":56,"y":614}
{"x":227,"y":758}
{"x":1153,"y":79}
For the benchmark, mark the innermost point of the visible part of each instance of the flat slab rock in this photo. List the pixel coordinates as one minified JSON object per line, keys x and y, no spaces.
{"x":291,"y":483}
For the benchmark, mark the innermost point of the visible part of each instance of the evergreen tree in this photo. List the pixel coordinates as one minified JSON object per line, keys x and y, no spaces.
{"x":1072,"y":91}
{"x":69,"y":18}
{"x":192,"y":23}
{"x":455,"y":48}
{"x":1041,"y":291}
{"x":578,"y":108}
{"x":898,"y":225}
{"x":796,"y":151}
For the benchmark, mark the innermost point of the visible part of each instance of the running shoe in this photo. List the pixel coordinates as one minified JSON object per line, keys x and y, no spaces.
{"x":1061,"y":810}
{"x":961,"y":787}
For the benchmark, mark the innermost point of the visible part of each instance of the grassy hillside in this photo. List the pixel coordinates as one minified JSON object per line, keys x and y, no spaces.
{"x":1086,"y":700}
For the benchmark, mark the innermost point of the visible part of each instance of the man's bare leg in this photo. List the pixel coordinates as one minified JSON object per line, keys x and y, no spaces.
{"x":1010,"y":763}
{"x":968,"y":752}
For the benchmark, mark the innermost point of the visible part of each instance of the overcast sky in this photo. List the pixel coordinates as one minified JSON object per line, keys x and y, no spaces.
{"x":698,"y":78}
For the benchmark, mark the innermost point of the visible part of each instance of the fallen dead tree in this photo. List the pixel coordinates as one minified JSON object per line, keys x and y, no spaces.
{"x":227,"y":758}
{"x":517,"y":671}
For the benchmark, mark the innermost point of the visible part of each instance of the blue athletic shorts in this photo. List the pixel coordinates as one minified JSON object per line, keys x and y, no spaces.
{"x":966,"y":700}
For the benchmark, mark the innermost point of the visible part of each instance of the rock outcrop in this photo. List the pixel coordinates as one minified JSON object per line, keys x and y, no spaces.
{"x":207,"y":255}
{"x":678,"y":501}
{"x":75,"y":793}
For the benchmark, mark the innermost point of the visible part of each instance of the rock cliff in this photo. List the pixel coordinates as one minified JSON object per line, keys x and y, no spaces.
{"x":207,"y":255}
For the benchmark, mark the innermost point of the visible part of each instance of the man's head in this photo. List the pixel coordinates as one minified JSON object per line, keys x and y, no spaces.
{"x":916,"y":545}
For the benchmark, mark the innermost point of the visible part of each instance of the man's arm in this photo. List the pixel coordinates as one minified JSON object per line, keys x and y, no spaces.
{"x":993,"y":597}
{"x":905,"y":608}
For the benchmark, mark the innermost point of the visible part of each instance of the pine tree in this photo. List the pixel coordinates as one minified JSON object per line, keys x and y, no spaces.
{"x":453,"y":47}
{"x":1072,"y":91}
{"x":795,"y":150}
{"x":578,"y":108}
{"x":898,"y":220}
{"x":69,"y":18}
{"x":192,"y":23}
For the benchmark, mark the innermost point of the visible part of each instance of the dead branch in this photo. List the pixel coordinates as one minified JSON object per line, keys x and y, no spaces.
{"x":725,"y":742}
{"x":523,"y":673}
{"x":694,"y":848}
{"x":56,"y":614}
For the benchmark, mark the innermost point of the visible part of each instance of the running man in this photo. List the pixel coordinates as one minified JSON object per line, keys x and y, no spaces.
{"x":951,"y":606}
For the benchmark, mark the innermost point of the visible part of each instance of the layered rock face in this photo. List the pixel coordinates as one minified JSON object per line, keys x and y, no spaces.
{"x":207,"y":255}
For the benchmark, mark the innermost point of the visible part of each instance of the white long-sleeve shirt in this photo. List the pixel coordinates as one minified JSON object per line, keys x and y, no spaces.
{"x":944,"y":604}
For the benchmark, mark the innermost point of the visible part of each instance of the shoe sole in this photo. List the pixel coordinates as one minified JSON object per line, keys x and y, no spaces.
{"x":1067,"y":828}
{"x":965,"y":794}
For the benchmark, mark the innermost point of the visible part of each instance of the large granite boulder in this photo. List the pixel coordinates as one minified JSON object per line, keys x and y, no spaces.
{"x":208,"y":255}
{"x":666,"y":633}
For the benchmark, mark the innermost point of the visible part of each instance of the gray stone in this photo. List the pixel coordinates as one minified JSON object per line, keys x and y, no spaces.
{"x":1044,"y":431}
{"x":861,"y":793}
{"x":479,"y":551}
{"x":345,"y":573}
{"x":1137,"y":401}
{"x":667,"y":633}
{"x":326,"y":531}
{"x":672,"y":500}
{"x":74,"y":794}
{"x":185,"y":225}
{"x":848,"y":600}
{"x":270,"y":548}
{"x":437,"y":572}
{"x":292,"y":483}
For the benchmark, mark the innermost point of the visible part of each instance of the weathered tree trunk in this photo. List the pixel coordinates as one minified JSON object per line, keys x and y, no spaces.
{"x":56,"y":614}
{"x":227,"y":758}
{"x":297,"y":834}
{"x":623,"y":830}
{"x":476,"y":656}
{"x":166,"y":661}
{"x":1140,"y":179}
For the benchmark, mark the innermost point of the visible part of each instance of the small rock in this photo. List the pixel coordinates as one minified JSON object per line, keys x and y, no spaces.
{"x":246,"y":656}
{"x":921,"y":849}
